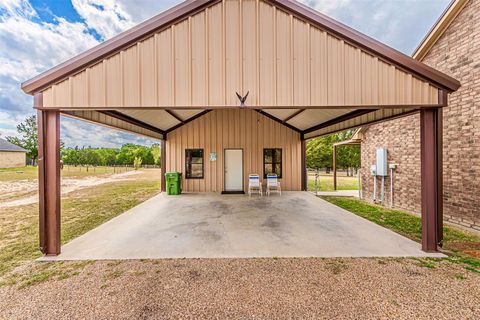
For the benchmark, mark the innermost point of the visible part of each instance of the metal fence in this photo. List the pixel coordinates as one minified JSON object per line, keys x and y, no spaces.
{"x":107,"y":169}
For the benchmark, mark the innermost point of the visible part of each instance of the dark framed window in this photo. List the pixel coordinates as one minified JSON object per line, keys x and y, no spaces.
{"x":272,"y":162}
{"x":194,"y":163}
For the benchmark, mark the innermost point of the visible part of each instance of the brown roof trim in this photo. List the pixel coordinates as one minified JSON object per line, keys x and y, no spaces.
{"x":108,"y":47}
{"x":367,"y":43}
{"x":342,"y":118}
{"x":268,"y":115}
{"x":293,"y":115}
{"x":439,"y":28}
{"x":173,"y":114}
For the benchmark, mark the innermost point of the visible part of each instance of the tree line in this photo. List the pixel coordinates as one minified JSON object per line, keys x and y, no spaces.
{"x":128,"y":154}
{"x":319,"y":153}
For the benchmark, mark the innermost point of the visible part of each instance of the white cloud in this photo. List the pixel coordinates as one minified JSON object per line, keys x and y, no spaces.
{"x":107,"y":18}
{"x":32,"y":47}
{"x":79,"y":133}
{"x":400,"y":24}
{"x":17,"y":7}
{"x":141,"y":10}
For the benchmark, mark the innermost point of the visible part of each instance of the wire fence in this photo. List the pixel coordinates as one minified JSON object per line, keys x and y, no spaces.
{"x":106,"y":169}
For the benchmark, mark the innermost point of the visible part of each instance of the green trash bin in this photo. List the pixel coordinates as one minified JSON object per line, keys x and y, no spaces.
{"x":173,"y":181}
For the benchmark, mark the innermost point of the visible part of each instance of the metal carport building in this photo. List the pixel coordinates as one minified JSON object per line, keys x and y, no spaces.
{"x":178,"y":77}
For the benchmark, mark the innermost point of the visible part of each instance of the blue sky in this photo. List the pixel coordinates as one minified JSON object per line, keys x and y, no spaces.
{"x":35,"y":35}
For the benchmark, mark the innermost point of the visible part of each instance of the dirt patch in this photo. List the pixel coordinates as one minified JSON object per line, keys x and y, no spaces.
{"x":13,"y":189}
{"x":470,"y":248}
{"x":249,"y":288}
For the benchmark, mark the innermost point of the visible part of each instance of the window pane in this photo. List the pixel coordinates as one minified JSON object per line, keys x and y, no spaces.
{"x":194,"y":163}
{"x":197,"y":153}
{"x":278,"y":169}
{"x":197,"y":160}
{"x":268,"y":155}
{"x":197,"y":171}
{"x":268,"y":168}
{"x":278,"y":155}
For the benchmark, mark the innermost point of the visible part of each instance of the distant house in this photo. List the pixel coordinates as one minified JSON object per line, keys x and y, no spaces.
{"x":11,"y":156}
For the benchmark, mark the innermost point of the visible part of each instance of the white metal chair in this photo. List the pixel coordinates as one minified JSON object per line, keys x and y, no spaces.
{"x":254,"y":184}
{"x":273,"y":184}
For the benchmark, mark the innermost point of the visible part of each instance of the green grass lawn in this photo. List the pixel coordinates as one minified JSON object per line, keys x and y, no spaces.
{"x":325,"y":182}
{"x":82,"y":211}
{"x":462,"y":247}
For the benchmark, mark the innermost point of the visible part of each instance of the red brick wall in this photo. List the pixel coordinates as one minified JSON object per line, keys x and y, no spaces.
{"x":402,"y":139}
{"x":456,"y":53}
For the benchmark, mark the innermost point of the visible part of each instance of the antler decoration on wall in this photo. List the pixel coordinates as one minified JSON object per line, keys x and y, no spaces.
{"x":242,"y":99}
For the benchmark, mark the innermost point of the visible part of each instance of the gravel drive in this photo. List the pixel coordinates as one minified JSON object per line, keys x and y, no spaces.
{"x":252,"y":288}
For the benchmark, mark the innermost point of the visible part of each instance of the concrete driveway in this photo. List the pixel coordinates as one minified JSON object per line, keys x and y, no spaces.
{"x":296,"y":224}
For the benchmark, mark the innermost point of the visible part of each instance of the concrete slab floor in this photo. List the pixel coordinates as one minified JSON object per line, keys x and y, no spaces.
{"x":207,"y":225}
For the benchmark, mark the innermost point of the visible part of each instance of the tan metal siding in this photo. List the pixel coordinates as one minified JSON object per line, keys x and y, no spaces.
{"x":240,"y":46}
{"x":234,"y":128}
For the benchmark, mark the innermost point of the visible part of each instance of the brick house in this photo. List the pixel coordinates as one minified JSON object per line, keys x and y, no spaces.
{"x":11,"y":156}
{"x":452,"y":46}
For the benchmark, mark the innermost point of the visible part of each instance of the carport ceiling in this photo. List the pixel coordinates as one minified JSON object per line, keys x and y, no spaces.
{"x":299,"y":67}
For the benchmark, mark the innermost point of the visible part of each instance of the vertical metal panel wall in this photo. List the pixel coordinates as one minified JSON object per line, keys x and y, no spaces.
{"x":234,"y":128}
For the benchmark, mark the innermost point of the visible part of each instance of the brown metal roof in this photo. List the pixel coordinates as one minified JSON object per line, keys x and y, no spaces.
{"x":189,"y":7}
{"x":7,"y":146}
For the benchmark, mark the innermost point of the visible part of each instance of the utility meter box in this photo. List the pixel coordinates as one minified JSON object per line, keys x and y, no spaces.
{"x":373,"y":170}
{"x":382,"y":166}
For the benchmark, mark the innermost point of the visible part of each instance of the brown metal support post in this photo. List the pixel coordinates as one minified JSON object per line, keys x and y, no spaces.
{"x":49,"y":181}
{"x":304,"y":166}
{"x":163,"y":161}
{"x":334,"y":167}
{"x":432,"y":190}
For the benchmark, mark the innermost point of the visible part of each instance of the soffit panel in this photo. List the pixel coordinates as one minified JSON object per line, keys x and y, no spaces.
{"x":157,"y":118}
{"x":281,"y":114}
{"x":111,"y":122}
{"x":187,"y":113}
{"x":368,"y":118}
{"x":312,"y":117}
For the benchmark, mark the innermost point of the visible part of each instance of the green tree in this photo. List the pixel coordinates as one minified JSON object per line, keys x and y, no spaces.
{"x":137,"y":162}
{"x":319,"y":153}
{"x":29,"y":138}
{"x":155,"y":150}
{"x":126,"y":155}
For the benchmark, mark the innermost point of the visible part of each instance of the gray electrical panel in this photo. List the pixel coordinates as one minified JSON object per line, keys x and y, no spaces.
{"x":382,"y":166}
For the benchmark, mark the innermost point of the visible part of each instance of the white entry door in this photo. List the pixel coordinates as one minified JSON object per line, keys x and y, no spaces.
{"x":233,"y":169}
